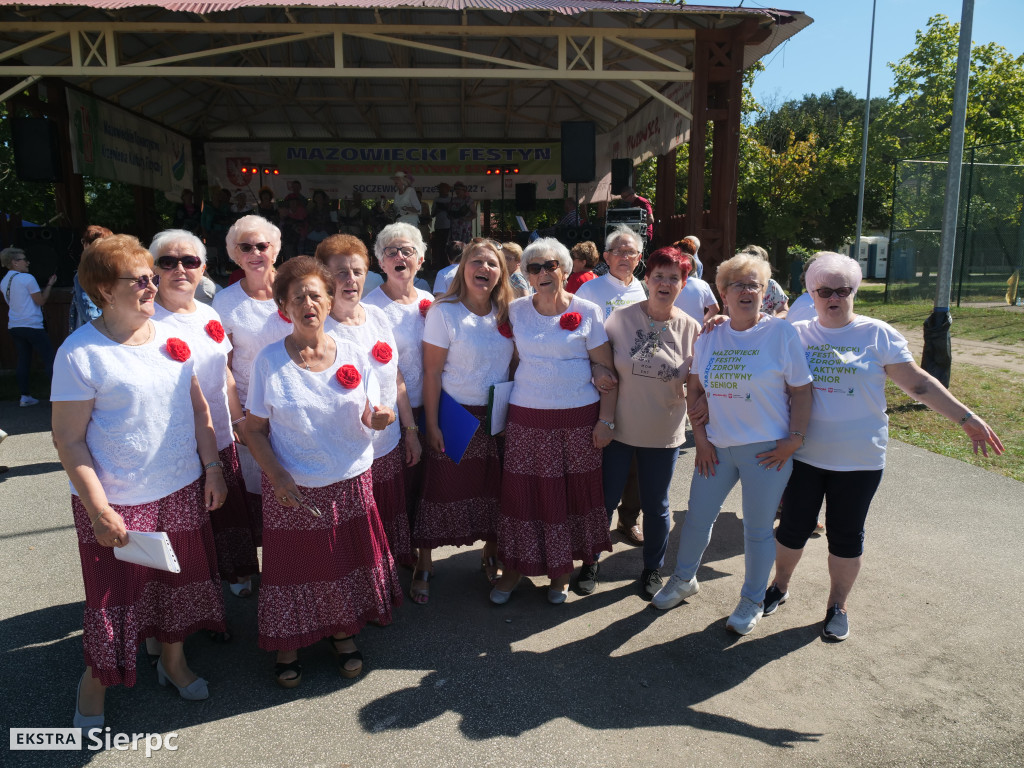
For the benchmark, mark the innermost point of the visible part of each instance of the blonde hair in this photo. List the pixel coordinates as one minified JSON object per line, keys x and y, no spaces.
{"x":501,"y":294}
{"x":741,"y":262}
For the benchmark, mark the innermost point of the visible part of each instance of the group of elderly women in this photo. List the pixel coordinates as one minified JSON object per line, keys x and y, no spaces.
{"x":305,"y":398}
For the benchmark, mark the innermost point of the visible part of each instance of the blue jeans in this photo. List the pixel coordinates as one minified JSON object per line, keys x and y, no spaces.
{"x":762,"y":490}
{"x":654,"y":475}
{"x":25,"y":341}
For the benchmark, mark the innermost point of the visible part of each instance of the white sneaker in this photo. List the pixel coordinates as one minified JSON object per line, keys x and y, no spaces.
{"x":2,"y":435}
{"x":28,"y":400}
{"x":676,"y":590}
{"x":746,"y":615}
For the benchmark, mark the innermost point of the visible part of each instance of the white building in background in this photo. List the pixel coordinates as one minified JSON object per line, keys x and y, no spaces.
{"x":873,"y":256}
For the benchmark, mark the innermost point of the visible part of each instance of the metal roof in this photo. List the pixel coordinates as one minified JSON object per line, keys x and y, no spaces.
{"x":431,"y":70}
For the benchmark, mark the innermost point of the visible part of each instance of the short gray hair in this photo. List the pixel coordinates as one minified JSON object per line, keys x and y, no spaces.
{"x":544,"y":247}
{"x":624,"y":230}
{"x":827,"y":264}
{"x":171,"y":237}
{"x":252,"y":223}
{"x":8,"y":255}
{"x":393,"y":232}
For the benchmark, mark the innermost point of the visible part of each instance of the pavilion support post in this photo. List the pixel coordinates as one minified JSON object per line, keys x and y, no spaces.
{"x":665,"y":199}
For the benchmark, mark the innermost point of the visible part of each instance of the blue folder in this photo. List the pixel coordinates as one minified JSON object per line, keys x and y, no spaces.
{"x":457,"y":426}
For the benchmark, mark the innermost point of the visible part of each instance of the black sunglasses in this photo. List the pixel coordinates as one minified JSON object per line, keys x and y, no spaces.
{"x":827,"y":293}
{"x":143,"y":282}
{"x":535,"y":267}
{"x":248,"y":247}
{"x":171,"y":262}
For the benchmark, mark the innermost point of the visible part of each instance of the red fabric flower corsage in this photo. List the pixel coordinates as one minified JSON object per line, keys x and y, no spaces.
{"x":381,"y":352}
{"x":178,"y":350}
{"x":215,"y":331}
{"x":348,"y":376}
{"x":505,"y":330}
{"x":424,"y":306}
{"x":570,"y":321}
{"x":284,"y":317}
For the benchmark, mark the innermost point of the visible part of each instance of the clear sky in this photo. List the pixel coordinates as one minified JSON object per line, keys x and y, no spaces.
{"x":833,"y":51}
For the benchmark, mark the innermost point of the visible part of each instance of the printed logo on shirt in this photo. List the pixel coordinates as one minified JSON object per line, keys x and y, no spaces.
{"x":727,"y":370}
{"x":828,"y":364}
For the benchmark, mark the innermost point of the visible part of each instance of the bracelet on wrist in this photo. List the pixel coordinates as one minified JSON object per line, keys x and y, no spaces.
{"x":411,"y":428}
{"x":965,"y":418}
{"x":609,"y":424}
{"x":213,"y":465}
{"x":238,"y":421}
{"x":794,"y":432}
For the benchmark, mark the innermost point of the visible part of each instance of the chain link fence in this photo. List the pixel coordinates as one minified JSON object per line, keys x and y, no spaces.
{"x":989,"y":248}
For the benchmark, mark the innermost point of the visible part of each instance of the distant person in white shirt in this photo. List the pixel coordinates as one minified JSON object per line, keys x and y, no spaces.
{"x":619,"y":288}
{"x":444,"y":277}
{"x":696,"y":299}
{"x":25,"y":318}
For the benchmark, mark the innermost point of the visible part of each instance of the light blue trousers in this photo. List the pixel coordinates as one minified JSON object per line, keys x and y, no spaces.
{"x":762,"y":490}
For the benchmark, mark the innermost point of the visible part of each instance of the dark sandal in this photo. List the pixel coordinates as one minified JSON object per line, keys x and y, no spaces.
{"x":217,"y":637}
{"x":292,"y":666}
{"x":489,"y":565}
{"x":345,"y":658}
{"x":420,"y":595}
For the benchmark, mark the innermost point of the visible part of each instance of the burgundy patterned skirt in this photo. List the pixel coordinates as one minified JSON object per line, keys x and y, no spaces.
{"x":231,"y":523}
{"x":251,"y":479}
{"x":125,"y":603}
{"x":389,"y":493}
{"x":552,"y":503}
{"x":416,"y":474}
{"x":324,"y":575}
{"x":460,"y":501}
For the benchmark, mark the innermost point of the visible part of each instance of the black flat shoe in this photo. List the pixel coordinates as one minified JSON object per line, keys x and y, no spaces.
{"x":345,"y":658}
{"x":280,"y":668}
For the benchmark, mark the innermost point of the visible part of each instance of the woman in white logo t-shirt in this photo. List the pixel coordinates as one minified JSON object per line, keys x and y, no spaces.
{"x":25,"y":317}
{"x":841,"y":460}
{"x":758,"y":390}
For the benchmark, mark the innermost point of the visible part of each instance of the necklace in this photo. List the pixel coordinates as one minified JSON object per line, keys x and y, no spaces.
{"x":110,"y":335}
{"x":654,"y":336}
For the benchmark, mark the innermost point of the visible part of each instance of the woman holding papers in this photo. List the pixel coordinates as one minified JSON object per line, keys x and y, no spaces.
{"x":312,"y":413}
{"x":841,"y":460}
{"x":552,"y":506}
{"x":368,"y":328}
{"x":652,"y":344}
{"x":180,"y":261}
{"x":467,"y":348}
{"x":134,"y":434}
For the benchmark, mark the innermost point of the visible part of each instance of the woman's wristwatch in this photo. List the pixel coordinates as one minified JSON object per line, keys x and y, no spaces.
{"x":609,"y":424}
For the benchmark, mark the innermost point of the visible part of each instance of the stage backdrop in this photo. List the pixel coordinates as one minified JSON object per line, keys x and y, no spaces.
{"x":114,"y":144}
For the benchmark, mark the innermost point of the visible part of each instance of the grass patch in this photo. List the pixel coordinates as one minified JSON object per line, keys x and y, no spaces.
{"x":994,"y":394}
{"x":1000,"y":326}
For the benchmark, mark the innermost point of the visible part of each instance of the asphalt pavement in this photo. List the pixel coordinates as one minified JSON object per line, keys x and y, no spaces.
{"x":932,"y":673}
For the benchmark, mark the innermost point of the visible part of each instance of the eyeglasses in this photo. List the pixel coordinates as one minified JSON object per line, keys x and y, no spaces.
{"x":143,"y":282}
{"x":535,"y":267}
{"x":629,"y":253}
{"x":741,"y":287}
{"x":248,"y":247}
{"x":406,"y":250}
{"x":23,"y":257}
{"x":172,"y":262}
{"x":828,"y":293}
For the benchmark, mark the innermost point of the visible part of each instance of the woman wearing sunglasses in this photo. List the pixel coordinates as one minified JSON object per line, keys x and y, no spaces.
{"x":465,"y":353}
{"x":134,"y":434}
{"x":552,"y":505}
{"x":400,"y":249}
{"x":313,"y":410}
{"x":842,"y":457}
{"x":251,"y":321}
{"x":180,"y":261}
{"x":758,"y":390}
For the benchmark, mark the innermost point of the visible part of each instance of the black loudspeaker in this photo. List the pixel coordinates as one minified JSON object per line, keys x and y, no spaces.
{"x":622,"y":174}
{"x":526,"y":196}
{"x":36,"y":152}
{"x":50,"y":251}
{"x":579,"y":151}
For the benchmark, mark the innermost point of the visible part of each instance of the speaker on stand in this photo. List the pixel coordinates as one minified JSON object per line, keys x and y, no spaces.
{"x":36,"y":152}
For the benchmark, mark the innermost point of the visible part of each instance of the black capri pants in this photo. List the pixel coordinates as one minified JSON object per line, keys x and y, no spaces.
{"x":847,"y":496}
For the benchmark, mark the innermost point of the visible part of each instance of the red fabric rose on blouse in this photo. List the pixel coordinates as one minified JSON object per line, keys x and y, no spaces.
{"x":505,"y":330}
{"x":178,"y":350}
{"x":381,"y":352}
{"x":424,"y":306}
{"x":570,"y":321}
{"x":284,"y":317}
{"x":215,"y":331}
{"x":348,"y":376}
